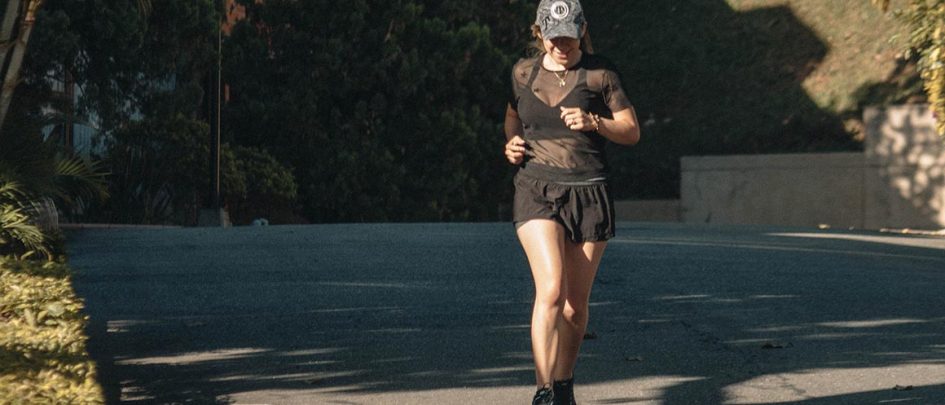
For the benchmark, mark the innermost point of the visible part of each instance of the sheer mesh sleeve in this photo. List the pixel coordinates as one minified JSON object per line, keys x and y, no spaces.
{"x":613,"y":93}
{"x":602,"y":77}
{"x":513,"y":95}
{"x":520,"y":75}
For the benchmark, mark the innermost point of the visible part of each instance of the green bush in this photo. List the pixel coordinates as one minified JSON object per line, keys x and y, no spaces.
{"x":159,"y":174}
{"x":257,"y":185}
{"x":43,"y":357}
{"x":18,"y":235}
{"x":924,"y":21}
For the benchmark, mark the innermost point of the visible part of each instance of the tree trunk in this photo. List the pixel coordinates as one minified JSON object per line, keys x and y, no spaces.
{"x":9,"y":20}
{"x":12,"y":63}
{"x":10,"y":16}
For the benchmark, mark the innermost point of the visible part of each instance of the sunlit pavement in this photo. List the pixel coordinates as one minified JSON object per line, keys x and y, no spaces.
{"x":438,"y":314}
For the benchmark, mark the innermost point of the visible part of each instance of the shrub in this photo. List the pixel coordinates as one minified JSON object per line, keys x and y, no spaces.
{"x":43,"y":357}
{"x":18,"y":234}
{"x":925,"y":21}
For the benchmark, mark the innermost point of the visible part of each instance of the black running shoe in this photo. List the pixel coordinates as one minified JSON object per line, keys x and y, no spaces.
{"x":544,"y":396}
{"x":564,"y":392}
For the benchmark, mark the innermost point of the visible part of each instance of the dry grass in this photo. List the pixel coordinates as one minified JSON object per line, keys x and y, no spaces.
{"x":861,"y":41}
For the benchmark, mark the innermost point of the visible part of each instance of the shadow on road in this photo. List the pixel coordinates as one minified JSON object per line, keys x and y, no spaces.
{"x":681,"y":315}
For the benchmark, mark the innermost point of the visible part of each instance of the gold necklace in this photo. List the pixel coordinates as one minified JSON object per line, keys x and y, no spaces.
{"x":562,"y":79}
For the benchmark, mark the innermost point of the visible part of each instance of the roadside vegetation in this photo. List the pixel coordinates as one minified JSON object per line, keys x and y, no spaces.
{"x":43,"y":357}
{"x":924,"y":27}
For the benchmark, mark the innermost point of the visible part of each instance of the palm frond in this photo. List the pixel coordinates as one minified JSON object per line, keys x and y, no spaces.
{"x":11,"y":192}
{"x":16,"y":227}
{"x":18,"y":232}
{"x":79,"y":180}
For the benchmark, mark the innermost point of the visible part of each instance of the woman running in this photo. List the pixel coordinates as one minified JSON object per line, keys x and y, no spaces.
{"x":567,"y":104}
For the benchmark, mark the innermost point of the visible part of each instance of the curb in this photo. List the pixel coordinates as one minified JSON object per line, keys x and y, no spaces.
{"x":73,"y":227}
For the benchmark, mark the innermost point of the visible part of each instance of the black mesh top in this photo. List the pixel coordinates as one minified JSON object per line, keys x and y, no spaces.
{"x":554,"y":152}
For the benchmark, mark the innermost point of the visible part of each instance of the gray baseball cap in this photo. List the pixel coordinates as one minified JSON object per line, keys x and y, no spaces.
{"x":560,"y":18}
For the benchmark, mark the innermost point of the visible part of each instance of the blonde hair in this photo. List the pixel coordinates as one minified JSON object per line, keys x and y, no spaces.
{"x":586,"y":45}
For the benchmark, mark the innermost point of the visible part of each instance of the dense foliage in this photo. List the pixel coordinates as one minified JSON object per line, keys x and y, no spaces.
{"x":388,"y":111}
{"x":141,"y":69}
{"x":392,"y":111}
{"x":43,"y":357}
{"x":35,"y":179}
{"x":925,"y":20}
{"x":258,"y":186}
{"x":159,"y":170}
{"x":127,"y":61}
{"x":18,"y":234}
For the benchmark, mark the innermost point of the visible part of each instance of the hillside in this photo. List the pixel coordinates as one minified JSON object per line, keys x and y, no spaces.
{"x":861,"y":46}
{"x":713,"y":77}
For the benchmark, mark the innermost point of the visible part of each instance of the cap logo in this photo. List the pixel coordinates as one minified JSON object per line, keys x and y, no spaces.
{"x":560,"y":10}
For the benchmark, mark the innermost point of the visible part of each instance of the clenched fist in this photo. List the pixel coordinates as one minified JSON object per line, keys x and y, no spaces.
{"x":515,"y":150}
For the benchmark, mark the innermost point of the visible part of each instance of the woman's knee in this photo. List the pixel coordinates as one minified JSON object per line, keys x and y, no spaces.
{"x":575,"y":313}
{"x":550,"y":296}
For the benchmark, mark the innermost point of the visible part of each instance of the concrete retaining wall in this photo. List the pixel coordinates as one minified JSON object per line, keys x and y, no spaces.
{"x":802,"y":190}
{"x":899,"y":181}
{"x":648,"y":210}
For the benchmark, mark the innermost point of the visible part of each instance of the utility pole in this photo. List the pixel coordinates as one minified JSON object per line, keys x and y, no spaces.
{"x":215,"y":126}
{"x":215,"y":215}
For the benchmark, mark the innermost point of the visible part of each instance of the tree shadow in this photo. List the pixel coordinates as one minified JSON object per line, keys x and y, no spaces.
{"x":905,"y":175}
{"x":339,"y":313}
{"x":709,"y":80}
{"x":770,"y":317}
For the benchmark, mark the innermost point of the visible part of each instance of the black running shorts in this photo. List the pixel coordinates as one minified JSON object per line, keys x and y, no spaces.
{"x":585,"y":211}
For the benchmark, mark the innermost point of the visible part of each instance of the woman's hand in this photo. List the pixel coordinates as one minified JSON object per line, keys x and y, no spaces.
{"x":515,"y":147}
{"x":622,"y":129}
{"x":515,"y":150}
{"x":577,"y":120}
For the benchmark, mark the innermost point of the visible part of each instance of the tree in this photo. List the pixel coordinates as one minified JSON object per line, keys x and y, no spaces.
{"x":20,"y":15}
{"x":130,"y":59}
{"x":387,"y":111}
{"x":16,"y":28}
{"x":156,"y":168}
{"x":257,"y":185}
{"x":142,"y":68}
{"x":158,"y":174}
{"x":925,"y":20}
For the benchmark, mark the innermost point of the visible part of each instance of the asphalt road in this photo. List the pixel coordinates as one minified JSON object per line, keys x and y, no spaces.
{"x":438,"y":314}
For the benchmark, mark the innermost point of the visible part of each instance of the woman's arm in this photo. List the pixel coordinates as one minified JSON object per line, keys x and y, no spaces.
{"x":623,"y":128}
{"x":515,"y":144}
{"x":513,"y":124}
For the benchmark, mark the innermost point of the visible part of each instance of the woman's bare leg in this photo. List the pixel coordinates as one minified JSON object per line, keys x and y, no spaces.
{"x":580,"y":263}
{"x":543,"y":242}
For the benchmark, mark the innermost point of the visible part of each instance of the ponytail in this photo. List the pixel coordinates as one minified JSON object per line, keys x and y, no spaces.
{"x":538,"y":47}
{"x":586,"y":45}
